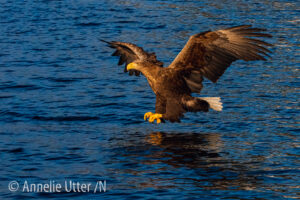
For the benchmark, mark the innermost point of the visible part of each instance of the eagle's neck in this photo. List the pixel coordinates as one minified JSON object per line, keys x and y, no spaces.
{"x":152,"y":74}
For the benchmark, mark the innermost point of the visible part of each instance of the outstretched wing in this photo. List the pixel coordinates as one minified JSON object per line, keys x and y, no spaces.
{"x":129,"y":53}
{"x":210,"y":53}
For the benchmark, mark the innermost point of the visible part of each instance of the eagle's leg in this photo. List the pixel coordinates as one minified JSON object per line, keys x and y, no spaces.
{"x":157,"y":117}
{"x":160,"y":107}
{"x":147,"y":115}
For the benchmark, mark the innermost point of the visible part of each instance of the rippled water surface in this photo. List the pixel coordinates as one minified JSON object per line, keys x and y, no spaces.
{"x":68,"y":112}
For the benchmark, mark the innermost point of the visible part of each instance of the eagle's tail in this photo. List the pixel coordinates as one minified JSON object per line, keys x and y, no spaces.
{"x":214,"y":102}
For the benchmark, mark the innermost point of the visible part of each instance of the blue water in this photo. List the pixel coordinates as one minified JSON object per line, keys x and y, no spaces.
{"x":68,"y":112}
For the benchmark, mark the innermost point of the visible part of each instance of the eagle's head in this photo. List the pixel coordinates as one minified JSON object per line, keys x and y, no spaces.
{"x":145,"y":67}
{"x":140,"y":66}
{"x":149,"y":69}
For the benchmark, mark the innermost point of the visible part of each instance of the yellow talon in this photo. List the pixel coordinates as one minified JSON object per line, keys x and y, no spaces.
{"x":158,"y":121}
{"x":147,"y":115}
{"x":156,"y":117}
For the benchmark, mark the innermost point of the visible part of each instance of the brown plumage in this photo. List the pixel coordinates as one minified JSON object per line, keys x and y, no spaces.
{"x":206,"y":54}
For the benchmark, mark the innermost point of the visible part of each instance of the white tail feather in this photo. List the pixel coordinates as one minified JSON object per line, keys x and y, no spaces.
{"x":214,"y":102}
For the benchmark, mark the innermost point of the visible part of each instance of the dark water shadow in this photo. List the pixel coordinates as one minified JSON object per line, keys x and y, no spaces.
{"x":168,"y":160}
{"x":186,"y":149}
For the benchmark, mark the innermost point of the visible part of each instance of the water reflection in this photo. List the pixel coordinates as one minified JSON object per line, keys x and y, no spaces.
{"x":197,"y":160}
{"x":188,"y":149}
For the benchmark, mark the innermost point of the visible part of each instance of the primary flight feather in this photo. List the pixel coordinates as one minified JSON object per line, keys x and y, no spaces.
{"x":206,"y":54}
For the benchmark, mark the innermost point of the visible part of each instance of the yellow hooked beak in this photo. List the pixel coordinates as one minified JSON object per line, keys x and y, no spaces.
{"x":131,"y":66}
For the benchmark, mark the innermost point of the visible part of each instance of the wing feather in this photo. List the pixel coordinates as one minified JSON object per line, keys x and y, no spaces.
{"x":129,"y":53}
{"x":212,"y":52}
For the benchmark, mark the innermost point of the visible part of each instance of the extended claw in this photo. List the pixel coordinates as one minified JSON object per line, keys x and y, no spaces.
{"x":156,"y":117}
{"x":147,"y":115}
